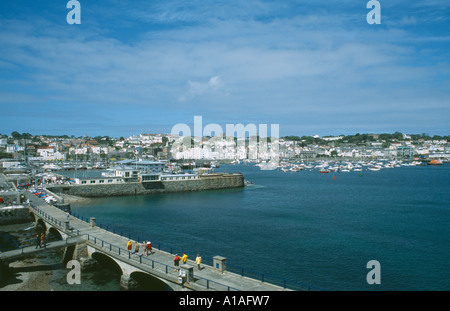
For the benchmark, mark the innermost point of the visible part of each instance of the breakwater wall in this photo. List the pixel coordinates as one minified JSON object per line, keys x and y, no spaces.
{"x":14,"y":215}
{"x":204,"y":182}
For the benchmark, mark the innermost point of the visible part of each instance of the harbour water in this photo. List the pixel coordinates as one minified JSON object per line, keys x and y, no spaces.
{"x":306,"y":226}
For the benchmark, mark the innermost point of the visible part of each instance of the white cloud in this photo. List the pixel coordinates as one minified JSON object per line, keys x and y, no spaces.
{"x":198,"y":88}
{"x":307,"y":64}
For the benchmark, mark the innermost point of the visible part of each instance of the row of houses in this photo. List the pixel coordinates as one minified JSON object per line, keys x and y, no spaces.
{"x":222,"y":149}
{"x":219,"y":148}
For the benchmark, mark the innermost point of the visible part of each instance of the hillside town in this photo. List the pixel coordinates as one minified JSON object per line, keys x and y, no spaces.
{"x":17,"y":148}
{"x":155,"y":163}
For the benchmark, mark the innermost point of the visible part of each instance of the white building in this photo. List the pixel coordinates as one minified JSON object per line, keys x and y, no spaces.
{"x":3,"y":142}
{"x":98,"y":180}
{"x":99,"y":150}
{"x":144,"y":165}
{"x":49,"y":154}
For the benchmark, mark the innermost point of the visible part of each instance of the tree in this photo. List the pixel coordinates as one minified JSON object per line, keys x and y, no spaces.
{"x":294,"y":138}
{"x":4,"y":155}
{"x":398,"y":136}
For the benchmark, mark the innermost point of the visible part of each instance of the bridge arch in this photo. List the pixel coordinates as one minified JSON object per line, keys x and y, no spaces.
{"x":107,"y":262}
{"x":53,"y":234}
{"x":32,"y":216}
{"x":131,"y":277}
{"x":148,"y":282}
{"x":41,"y":225}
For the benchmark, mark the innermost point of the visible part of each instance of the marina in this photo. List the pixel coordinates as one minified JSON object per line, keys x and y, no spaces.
{"x":331,"y":227}
{"x":327,"y":166}
{"x":358,"y":211}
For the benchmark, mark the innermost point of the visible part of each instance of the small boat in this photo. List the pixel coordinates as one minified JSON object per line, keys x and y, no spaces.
{"x":435,"y":162}
{"x":324,"y":171}
{"x":295,"y":169}
{"x":267,"y":166}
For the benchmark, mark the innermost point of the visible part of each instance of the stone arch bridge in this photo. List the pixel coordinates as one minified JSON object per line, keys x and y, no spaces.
{"x":156,"y":269}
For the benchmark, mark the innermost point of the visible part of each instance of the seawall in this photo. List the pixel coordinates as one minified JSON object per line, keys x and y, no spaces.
{"x":204,"y":182}
{"x":14,"y":215}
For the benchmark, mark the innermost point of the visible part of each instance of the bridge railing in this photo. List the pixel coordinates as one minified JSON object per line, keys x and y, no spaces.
{"x":263,"y":277}
{"x":4,"y":247}
{"x":212,"y":285}
{"x":155,"y":245}
{"x":47,"y":217}
{"x":29,"y":247}
{"x":167,"y":269}
{"x":154,"y":264}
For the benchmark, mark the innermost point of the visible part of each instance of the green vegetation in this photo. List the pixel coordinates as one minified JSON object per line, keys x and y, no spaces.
{"x":362,"y":139}
{"x":5,"y":155}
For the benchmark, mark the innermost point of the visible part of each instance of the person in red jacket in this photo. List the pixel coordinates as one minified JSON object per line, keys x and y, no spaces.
{"x":176,"y":261}
{"x":149,"y":247}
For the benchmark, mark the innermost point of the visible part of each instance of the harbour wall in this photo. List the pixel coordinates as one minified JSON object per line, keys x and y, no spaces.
{"x":204,"y":182}
{"x":14,"y":215}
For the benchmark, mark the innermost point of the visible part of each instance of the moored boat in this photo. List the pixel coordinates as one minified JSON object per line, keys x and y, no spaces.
{"x":435,"y":162}
{"x":374,"y":168}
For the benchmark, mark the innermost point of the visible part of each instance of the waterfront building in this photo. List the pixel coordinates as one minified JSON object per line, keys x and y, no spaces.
{"x":124,"y":172}
{"x":9,"y":163}
{"x":126,"y":175}
{"x":144,"y":165}
{"x":173,"y":177}
{"x":97,"y":180}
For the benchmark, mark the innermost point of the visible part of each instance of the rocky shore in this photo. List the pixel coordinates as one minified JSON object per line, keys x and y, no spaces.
{"x":32,"y":273}
{"x":28,"y":275}
{"x":72,"y":199}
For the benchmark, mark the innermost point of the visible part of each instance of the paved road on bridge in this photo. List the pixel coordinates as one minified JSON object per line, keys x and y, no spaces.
{"x":159,"y":263}
{"x":29,"y":250}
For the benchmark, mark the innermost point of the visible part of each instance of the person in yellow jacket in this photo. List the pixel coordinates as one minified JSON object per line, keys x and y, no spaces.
{"x":129,"y":244}
{"x":184,"y":258}
{"x":198,"y":261}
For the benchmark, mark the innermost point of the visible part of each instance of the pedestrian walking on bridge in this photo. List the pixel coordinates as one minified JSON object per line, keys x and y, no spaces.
{"x":42,"y":240}
{"x":144,"y":246}
{"x":136,"y":248}
{"x":129,"y":244}
{"x":149,"y":247}
{"x":176,"y":261}
{"x":184,"y":258}
{"x":38,"y":241}
{"x":198,"y":261}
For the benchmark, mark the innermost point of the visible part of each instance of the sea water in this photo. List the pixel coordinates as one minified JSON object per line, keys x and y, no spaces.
{"x":306,"y":226}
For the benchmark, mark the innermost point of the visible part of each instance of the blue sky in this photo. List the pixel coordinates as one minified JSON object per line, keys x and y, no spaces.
{"x":313,"y":67}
